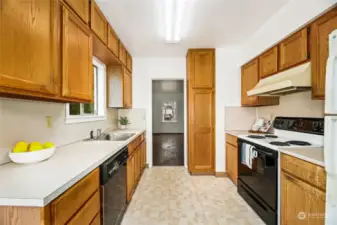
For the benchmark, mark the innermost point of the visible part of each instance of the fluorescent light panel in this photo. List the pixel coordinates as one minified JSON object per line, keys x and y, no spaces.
{"x":174,"y":16}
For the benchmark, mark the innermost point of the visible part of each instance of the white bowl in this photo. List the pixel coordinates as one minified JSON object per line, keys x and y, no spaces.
{"x":32,"y":157}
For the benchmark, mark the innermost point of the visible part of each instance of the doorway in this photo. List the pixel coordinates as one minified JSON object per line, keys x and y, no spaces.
{"x":168,"y":122}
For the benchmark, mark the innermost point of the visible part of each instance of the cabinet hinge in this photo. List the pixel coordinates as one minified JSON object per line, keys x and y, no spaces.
{"x":308,"y":30}
{"x":308,"y":55}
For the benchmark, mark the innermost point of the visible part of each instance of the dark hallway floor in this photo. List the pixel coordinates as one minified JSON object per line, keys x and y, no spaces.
{"x":168,"y":149}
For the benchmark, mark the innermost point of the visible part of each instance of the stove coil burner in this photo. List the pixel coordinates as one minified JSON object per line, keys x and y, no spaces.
{"x":270,"y":136}
{"x":256,"y":137}
{"x":278,"y":143}
{"x":300,"y":143}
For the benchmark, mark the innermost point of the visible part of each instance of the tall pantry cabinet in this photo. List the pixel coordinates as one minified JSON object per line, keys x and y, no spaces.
{"x":201,"y":110}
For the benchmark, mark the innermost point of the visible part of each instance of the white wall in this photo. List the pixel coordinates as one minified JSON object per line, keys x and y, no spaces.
{"x":144,"y":71}
{"x":228,"y":93}
{"x":137,"y":117}
{"x":288,"y":19}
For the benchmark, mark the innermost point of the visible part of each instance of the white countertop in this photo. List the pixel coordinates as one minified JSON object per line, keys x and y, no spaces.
{"x":238,"y":132}
{"x":39,"y":184}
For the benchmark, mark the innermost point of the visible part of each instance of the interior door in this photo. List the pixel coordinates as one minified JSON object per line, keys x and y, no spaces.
{"x":28,"y":46}
{"x":201,"y":150}
{"x":77,"y":58}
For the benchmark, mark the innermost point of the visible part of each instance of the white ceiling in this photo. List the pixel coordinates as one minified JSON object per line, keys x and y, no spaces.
{"x":209,"y":24}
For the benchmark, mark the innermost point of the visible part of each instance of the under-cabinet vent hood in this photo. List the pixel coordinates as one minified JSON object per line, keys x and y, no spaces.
{"x":294,"y":80}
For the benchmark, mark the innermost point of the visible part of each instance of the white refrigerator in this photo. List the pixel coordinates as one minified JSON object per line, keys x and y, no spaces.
{"x":330,"y":131}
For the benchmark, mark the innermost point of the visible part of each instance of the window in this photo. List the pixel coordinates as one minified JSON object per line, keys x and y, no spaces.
{"x":86,"y":112}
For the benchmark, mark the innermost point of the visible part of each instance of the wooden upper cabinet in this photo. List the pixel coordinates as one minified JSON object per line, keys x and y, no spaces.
{"x":269,"y":62}
{"x":77,"y":70}
{"x":320,"y":31}
{"x":28,"y":47}
{"x":294,"y":49}
{"x":127,"y":89}
{"x":113,"y":42}
{"x":249,"y":79}
{"x":81,"y":7}
{"x":99,"y":24}
{"x":122,"y":53}
{"x":202,"y":68}
{"x":129,"y":62}
{"x":201,"y":135}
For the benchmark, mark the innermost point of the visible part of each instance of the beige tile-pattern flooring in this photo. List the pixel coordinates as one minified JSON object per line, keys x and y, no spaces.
{"x":170,"y":196}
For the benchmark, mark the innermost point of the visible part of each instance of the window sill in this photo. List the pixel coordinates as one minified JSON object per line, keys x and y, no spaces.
{"x":84,"y":119}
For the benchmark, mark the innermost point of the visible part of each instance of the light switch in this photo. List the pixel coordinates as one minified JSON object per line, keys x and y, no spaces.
{"x":49,"y":121}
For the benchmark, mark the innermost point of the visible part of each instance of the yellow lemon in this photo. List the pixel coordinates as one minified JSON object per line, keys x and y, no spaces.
{"x":35,"y":146}
{"x":48,"y":145}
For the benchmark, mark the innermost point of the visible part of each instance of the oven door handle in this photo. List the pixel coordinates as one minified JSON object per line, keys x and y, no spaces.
{"x":265,"y":153}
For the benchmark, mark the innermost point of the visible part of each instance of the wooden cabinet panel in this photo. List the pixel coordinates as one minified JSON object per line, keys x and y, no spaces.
{"x":230,"y":139}
{"x":65,"y":206}
{"x":77,"y":77}
{"x":202,"y":66}
{"x":130,"y":170}
{"x":127,"y":90}
{"x":28,"y":48}
{"x":99,"y":24}
{"x":113,"y":42}
{"x":81,"y":7}
{"x":301,"y":203}
{"x":88,"y":212}
{"x":294,"y":50}
{"x":122,"y":53}
{"x":319,"y":39}
{"x":97,"y":220}
{"x":249,"y":79}
{"x":268,"y":62}
{"x":129,"y":62}
{"x":201,"y":136}
{"x":311,"y":173}
{"x":232,"y":162}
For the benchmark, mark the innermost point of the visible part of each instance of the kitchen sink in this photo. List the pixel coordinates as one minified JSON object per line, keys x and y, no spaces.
{"x":113,"y":137}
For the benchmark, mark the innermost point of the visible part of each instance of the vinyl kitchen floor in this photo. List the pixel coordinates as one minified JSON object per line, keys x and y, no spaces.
{"x":169,"y":195}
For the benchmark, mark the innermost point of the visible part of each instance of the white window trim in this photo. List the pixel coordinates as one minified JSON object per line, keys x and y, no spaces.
{"x":101,"y":111}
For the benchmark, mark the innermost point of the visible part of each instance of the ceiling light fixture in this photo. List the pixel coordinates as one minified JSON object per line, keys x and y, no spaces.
{"x":175,"y":11}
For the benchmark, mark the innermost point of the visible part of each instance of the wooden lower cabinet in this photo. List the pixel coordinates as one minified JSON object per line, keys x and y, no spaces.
{"x":135,"y":165}
{"x":302,"y":201}
{"x":232,"y":162}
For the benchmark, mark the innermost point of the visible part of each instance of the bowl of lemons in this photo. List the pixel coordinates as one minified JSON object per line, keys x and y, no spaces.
{"x":24,"y":153}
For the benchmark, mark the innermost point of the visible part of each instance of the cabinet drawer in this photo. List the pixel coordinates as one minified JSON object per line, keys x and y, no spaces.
{"x":230,"y":139}
{"x":133,"y":145}
{"x":65,"y":206}
{"x":311,"y":173}
{"x":88,"y":212}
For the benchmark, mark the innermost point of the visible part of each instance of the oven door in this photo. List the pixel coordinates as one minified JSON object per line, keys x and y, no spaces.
{"x":261,"y":179}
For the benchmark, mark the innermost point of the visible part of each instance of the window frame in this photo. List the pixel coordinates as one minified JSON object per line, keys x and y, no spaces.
{"x":99,"y":98}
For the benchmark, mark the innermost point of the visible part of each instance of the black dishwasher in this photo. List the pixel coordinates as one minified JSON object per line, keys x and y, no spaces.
{"x":113,"y":188}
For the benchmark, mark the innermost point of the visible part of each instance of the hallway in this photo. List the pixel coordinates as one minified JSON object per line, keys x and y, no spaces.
{"x":169,"y":195}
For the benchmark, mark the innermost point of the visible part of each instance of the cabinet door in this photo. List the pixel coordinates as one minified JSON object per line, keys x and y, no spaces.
{"x":28,"y":47}
{"x":113,"y":42}
{"x":129,"y":62}
{"x":320,"y":31}
{"x":81,"y":7}
{"x":130,"y":176}
{"x":201,"y":146}
{"x":127,"y":90}
{"x":301,"y":203}
{"x":99,"y":24}
{"x":232,"y":162}
{"x":249,"y":79}
{"x":268,"y":62}
{"x":201,"y":68}
{"x":122,"y":53}
{"x":77,"y":70}
{"x":294,"y":50}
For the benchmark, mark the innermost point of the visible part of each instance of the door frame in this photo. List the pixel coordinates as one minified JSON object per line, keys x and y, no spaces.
{"x":150,"y":131}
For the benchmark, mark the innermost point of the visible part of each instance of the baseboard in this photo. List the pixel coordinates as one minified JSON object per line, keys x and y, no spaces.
{"x":147,"y":165}
{"x":221,"y":174}
{"x":202,"y":173}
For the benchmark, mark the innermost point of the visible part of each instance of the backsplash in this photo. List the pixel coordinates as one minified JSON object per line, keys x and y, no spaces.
{"x":137,"y":117}
{"x":295,"y":105}
{"x":25,"y":120}
{"x":239,"y":118}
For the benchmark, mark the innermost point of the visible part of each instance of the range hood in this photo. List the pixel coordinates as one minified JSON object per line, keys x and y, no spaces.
{"x":294,"y":80}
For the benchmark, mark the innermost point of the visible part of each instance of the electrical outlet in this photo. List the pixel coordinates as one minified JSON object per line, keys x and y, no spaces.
{"x":49,"y":121}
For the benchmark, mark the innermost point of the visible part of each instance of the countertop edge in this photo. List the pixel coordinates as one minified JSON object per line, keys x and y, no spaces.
{"x":42,"y":202}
